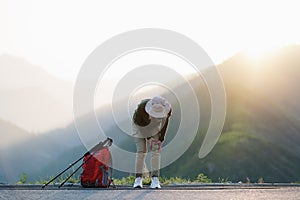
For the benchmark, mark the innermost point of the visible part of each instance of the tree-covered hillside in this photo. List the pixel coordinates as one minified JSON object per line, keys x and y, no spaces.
{"x":260,"y":138}
{"x":261,"y":135}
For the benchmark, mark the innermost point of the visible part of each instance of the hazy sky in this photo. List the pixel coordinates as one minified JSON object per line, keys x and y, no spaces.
{"x":59,"y":35}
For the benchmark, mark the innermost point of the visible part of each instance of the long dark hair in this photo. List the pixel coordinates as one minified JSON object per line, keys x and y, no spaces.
{"x":140,"y":116}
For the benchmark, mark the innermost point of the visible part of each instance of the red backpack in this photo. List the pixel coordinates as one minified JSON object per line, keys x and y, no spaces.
{"x":97,"y":169}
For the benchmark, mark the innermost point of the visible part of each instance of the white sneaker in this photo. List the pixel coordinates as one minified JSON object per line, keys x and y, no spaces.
{"x":155,"y":183}
{"x":138,"y":183}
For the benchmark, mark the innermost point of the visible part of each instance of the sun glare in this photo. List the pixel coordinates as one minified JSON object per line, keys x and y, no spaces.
{"x":258,"y":53}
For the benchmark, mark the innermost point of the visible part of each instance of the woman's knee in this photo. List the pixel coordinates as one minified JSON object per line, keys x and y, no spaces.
{"x":140,"y":145}
{"x":155,"y":148}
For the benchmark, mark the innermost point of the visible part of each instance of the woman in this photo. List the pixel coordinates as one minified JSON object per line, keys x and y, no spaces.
{"x":150,"y":122}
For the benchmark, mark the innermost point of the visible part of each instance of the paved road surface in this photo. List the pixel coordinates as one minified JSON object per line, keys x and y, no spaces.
{"x":167,"y":193}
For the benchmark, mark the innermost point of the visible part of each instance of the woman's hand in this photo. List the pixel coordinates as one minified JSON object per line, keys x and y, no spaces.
{"x":158,"y":142}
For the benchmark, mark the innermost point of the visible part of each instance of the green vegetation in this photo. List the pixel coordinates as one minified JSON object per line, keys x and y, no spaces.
{"x":129,"y":180}
{"x":124,"y":180}
{"x":174,"y":180}
{"x":23,"y":178}
{"x":201,"y":178}
{"x":41,"y":182}
{"x":73,"y":179}
{"x":224,"y":180}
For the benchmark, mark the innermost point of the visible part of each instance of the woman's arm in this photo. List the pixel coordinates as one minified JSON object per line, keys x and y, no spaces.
{"x":162,"y":132}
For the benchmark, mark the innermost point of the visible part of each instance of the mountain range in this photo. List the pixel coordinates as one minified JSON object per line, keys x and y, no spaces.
{"x":11,"y":134}
{"x":260,"y":138}
{"x":261,"y":135}
{"x":31,"y":98}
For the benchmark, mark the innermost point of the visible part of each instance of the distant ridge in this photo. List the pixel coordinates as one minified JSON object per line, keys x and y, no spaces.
{"x":31,"y":98}
{"x":260,"y":138}
{"x":11,"y":135}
